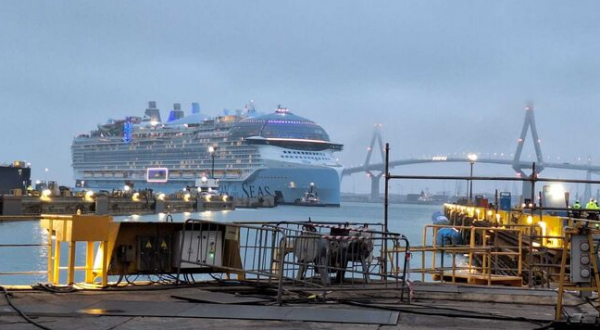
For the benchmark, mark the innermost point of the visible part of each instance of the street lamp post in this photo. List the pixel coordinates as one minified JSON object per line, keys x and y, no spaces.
{"x":212,"y":150}
{"x":46,"y":177}
{"x":472,"y":160}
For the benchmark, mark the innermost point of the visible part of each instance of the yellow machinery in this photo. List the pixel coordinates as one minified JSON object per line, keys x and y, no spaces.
{"x":125,"y":248}
{"x":548,"y":227}
{"x":584,"y":265}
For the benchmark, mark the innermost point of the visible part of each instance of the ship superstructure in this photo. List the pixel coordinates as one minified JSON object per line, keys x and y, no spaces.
{"x":251,"y":155}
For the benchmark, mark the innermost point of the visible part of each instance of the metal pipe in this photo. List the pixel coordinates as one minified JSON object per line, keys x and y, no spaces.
{"x":387,"y":178}
{"x":471,"y":184}
{"x":386,"y":205}
{"x":407,"y":257}
{"x":281,"y":262}
{"x":530,"y":247}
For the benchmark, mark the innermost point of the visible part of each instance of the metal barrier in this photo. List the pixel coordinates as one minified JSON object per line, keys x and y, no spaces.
{"x":321,"y":227}
{"x":325,"y":247}
{"x":296,"y":253}
{"x":356,"y":255}
{"x":251,"y":252}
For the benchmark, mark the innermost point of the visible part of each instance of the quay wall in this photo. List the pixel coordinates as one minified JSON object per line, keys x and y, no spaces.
{"x":34,"y":205}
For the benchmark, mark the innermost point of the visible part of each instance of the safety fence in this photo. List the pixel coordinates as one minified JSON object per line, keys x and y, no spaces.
{"x":318,"y":255}
{"x":243,"y":250}
{"x":348,"y":253}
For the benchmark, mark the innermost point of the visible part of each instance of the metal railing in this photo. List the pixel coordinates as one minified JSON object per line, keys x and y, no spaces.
{"x":542,"y":264}
{"x":251,"y":252}
{"x":318,"y":255}
{"x":542,"y":235}
{"x":27,"y":272}
{"x":348,"y":253}
{"x":482,"y":258}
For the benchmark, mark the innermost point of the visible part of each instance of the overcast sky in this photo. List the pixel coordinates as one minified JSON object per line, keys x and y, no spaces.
{"x":442,"y":76}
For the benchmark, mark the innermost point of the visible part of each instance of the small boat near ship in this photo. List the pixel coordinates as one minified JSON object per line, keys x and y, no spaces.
{"x":310,"y":198}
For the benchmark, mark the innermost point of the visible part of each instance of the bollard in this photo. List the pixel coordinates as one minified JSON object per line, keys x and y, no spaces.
{"x":159,"y":206}
{"x":101,"y":205}
{"x":199,"y":205}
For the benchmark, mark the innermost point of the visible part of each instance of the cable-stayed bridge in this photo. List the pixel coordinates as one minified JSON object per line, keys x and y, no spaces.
{"x":375,"y":171}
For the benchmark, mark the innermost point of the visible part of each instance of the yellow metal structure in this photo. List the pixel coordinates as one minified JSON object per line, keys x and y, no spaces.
{"x":561,"y":283}
{"x":548,"y":227}
{"x":71,"y":229}
{"x":483,"y":248}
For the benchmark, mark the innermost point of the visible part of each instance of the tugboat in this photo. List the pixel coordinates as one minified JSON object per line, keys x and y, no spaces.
{"x":311,"y":197}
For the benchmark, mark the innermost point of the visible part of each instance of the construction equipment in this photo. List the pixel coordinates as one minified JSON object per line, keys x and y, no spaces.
{"x":584,"y":264}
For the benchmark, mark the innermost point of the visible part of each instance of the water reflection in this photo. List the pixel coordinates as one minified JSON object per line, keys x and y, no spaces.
{"x":22,"y":258}
{"x":162,"y":217}
{"x":42,"y":236}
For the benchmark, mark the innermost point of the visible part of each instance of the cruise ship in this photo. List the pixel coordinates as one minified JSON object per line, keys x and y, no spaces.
{"x":249,"y":155}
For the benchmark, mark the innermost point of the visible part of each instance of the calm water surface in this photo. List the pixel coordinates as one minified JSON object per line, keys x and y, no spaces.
{"x":406,"y":219}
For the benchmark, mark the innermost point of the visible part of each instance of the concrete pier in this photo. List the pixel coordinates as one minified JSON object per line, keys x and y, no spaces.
{"x":434,"y":306}
{"x":104,"y":205}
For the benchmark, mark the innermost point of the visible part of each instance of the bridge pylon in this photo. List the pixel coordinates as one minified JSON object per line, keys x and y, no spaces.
{"x":528,"y":124}
{"x":375,"y":177}
{"x":587,"y":192}
{"x":375,"y":180}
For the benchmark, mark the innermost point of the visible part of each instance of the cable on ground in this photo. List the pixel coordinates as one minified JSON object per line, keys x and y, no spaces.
{"x":20,"y":312}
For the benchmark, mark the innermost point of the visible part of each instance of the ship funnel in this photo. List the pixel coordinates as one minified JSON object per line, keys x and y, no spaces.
{"x":176,"y":113}
{"x":195,"y":108}
{"x":152,"y":114}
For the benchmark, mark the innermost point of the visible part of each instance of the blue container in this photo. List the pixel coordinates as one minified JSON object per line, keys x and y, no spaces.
{"x":505,"y":201}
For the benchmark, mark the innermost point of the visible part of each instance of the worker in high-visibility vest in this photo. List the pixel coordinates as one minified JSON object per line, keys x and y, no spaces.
{"x":576,"y":209}
{"x":592,"y":209}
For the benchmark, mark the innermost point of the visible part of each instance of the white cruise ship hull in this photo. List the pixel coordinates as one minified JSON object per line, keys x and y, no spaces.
{"x":287,"y":185}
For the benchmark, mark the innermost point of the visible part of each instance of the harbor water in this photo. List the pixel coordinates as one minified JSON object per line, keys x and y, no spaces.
{"x":407,"y":219}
